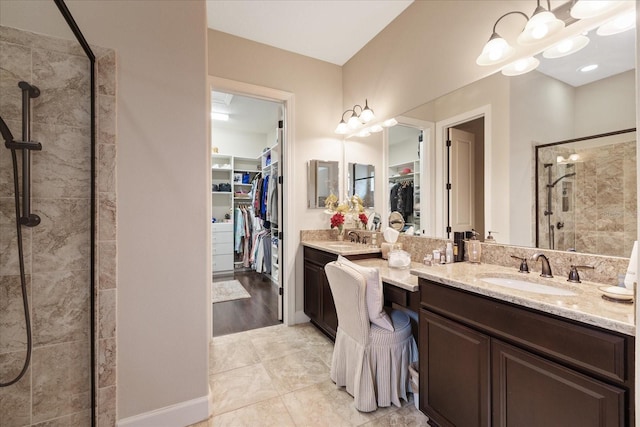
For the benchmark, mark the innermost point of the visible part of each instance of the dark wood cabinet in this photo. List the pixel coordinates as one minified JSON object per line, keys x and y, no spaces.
{"x":455,"y":359}
{"x":534,"y":392}
{"x":488,"y":362}
{"x":318,"y":300}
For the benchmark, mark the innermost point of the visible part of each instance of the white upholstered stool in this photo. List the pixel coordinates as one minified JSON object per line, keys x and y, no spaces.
{"x":370,"y":361}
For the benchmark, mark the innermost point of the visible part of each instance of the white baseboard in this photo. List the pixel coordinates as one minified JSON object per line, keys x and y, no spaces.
{"x":178,"y":415}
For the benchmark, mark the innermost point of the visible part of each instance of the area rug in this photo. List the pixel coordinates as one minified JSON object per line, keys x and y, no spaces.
{"x":228,"y":290}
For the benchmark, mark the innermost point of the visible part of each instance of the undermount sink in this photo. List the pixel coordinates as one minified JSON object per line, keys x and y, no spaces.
{"x":523,"y":285}
{"x":341,"y":245}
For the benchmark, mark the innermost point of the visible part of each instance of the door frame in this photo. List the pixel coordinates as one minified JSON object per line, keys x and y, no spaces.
{"x":440,"y":156}
{"x":287,"y":266}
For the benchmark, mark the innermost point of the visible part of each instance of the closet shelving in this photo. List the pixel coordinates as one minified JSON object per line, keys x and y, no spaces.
{"x":270,"y":166}
{"x":397,"y":175}
{"x":221,"y":202}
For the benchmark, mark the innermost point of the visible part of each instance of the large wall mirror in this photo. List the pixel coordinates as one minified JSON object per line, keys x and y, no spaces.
{"x":322,"y":181}
{"x":361,"y":183}
{"x":556,"y":102}
{"x":586,"y":194}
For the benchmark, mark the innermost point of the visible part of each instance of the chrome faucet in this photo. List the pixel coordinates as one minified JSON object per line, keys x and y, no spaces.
{"x":546,"y":268}
{"x":355,"y":237}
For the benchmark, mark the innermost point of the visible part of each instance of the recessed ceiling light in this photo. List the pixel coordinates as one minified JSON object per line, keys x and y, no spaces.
{"x":220,"y":116}
{"x":588,"y":68}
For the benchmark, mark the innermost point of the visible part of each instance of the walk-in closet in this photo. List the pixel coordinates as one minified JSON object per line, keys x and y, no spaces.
{"x":246,"y":209}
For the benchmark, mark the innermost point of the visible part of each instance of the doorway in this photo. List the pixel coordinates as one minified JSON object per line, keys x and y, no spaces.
{"x":247,"y":146}
{"x":465,"y":171}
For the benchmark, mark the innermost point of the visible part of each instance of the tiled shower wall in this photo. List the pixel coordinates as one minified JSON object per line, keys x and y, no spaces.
{"x":598,"y":207}
{"x":56,"y":389}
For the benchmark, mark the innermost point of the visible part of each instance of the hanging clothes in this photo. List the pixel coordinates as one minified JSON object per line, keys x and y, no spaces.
{"x":401,"y":198}
{"x":272,"y":208}
{"x":238,"y":229}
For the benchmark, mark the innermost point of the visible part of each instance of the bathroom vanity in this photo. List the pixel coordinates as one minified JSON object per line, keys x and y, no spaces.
{"x":400,"y":286}
{"x":499,"y":357}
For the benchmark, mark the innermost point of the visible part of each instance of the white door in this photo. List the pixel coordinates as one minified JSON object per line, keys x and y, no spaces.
{"x":461,"y":176}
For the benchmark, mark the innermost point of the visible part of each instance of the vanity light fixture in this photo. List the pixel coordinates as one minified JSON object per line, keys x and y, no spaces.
{"x":543,"y":23}
{"x":566,"y":47}
{"x":521,"y":66}
{"x":584,"y":9}
{"x":573,"y":158}
{"x":389,"y":123}
{"x":357,"y":119}
{"x":619,"y":24}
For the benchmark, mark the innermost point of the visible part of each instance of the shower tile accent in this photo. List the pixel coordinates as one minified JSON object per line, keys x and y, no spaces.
{"x":602,"y":214}
{"x":56,"y":390}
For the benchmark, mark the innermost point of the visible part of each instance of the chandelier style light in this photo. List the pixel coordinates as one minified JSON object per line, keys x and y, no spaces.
{"x":357,"y":119}
{"x":541,"y":28}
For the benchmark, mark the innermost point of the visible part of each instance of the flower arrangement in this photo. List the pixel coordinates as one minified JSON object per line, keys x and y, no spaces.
{"x":363,"y":219}
{"x":337,"y":221}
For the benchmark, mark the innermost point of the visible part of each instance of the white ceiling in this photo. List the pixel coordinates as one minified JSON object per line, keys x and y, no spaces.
{"x":332,"y":31}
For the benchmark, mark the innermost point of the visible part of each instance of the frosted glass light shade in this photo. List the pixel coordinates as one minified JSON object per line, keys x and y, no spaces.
{"x":353,"y":121}
{"x":584,"y":9}
{"x":342,"y":128}
{"x":541,"y":25}
{"x":566,"y":47}
{"x":496,"y":50}
{"x":619,"y":24}
{"x":521,"y":66}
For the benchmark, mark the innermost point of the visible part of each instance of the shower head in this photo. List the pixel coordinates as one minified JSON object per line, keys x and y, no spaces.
{"x":561,"y":178}
{"x":6,"y":133}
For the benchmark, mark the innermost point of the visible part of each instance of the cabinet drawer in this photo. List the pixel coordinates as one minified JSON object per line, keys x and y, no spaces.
{"x":598,"y":351}
{"x":225,"y":237}
{"x":222,"y":262}
{"x":222,"y":248}
{"x":394,"y":294}
{"x":222,"y":227}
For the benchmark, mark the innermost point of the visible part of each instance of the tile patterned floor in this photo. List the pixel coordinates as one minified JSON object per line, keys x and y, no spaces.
{"x":279,"y":376}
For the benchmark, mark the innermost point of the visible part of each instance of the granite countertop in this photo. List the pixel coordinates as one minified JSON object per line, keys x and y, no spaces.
{"x":587,"y":306}
{"x":344,"y":248}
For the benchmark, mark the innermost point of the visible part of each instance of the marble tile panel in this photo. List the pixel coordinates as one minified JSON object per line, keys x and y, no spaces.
{"x":612,"y":243}
{"x":9,"y":264}
{"x":62,"y":240}
{"x":107,"y":73}
{"x":61,"y":383}
{"x":106,"y":362}
{"x":107,"y":216}
{"x":240,"y":387}
{"x":270,"y":412}
{"x":107,"y":310}
{"x":15,"y":400}
{"x":610,"y":217}
{"x":64,"y":89}
{"x":106,"y":400}
{"x":60,"y":307}
{"x":106,"y":119}
{"x":106,"y":168}
{"x":13,"y":331}
{"x":229,"y":354}
{"x":16,"y":66}
{"x":296,"y":370}
{"x":78,"y":419}
{"x":63,"y":168}
{"x":107,"y":265}
{"x":35,"y":40}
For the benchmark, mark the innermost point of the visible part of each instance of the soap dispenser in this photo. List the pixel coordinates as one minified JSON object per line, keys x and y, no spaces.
{"x":474,"y":248}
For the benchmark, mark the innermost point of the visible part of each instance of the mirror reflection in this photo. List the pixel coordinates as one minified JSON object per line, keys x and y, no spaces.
{"x":322,"y":181}
{"x":360,"y":182}
{"x":586,"y":194}
{"x":519,"y":113}
{"x":405,"y":144}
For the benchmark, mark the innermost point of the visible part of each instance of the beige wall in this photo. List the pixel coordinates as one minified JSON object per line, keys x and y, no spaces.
{"x":162,"y":213}
{"x":317,"y":87}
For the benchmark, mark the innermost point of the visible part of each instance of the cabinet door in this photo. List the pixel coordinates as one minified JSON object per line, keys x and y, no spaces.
{"x":312,"y":290}
{"x":534,"y":392}
{"x":454,"y":373}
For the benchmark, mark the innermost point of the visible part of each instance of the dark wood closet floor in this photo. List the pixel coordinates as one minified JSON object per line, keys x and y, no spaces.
{"x":259,"y":311}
